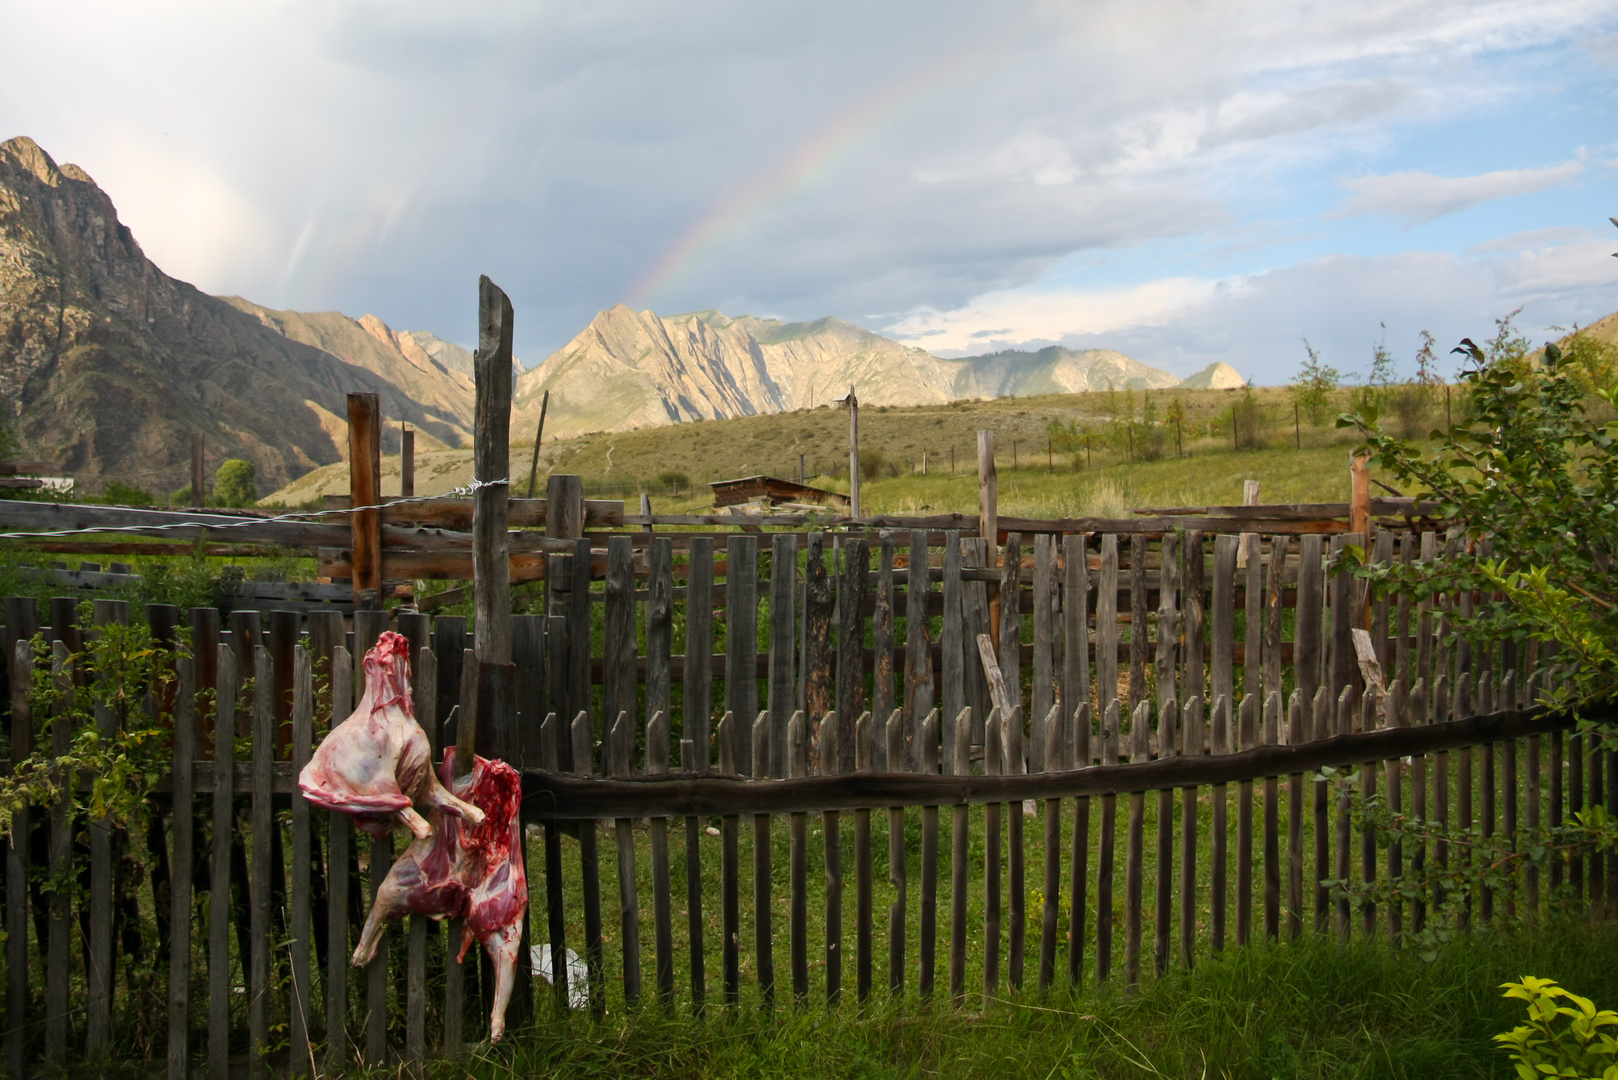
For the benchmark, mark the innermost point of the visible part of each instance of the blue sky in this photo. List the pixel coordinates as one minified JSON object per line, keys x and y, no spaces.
{"x":1186,"y":182}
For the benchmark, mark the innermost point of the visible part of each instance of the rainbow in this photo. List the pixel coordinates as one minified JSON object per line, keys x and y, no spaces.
{"x":797,"y":172}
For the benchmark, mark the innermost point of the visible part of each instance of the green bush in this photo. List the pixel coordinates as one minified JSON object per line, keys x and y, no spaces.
{"x":872,"y":463}
{"x":120,"y":494}
{"x":233,"y":483}
{"x":674,"y":480}
{"x":1543,"y":1047}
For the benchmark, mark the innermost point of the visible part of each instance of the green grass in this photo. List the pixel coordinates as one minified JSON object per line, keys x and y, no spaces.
{"x":1309,"y":1009}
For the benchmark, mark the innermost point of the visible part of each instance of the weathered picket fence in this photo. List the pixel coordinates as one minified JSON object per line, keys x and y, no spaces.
{"x":855,"y":700}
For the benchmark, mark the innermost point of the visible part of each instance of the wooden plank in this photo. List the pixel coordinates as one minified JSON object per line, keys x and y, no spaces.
{"x":1347,"y":702}
{"x":693,"y":890}
{"x":864,"y":738}
{"x":590,"y":873}
{"x":623,"y":748}
{"x":426,"y":704}
{"x":1168,"y":723}
{"x":299,"y":1008}
{"x":1051,"y":760}
{"x":1075,"y":629}
{"x":992,"y":766}
{"x":340,"y":835}
{"x":882,"y":648}
{"x":659,"y":644}
{"x":1015,"y":763}
{"x":1109,"y":834}
{"x":657,"y":764}
{"x":1344,"y":667}
{"x":1418,"y":802}
{"x":698,"y":692}
{"x":797,"y":864}
{"x":219,"y":874}
{"x":730,"y":904}
{"x":920,"y":683}
{"x":1307,"y":650}
{"x":1223,"y":622}
{"x":262,"y":823}
{"x":1274,"y":614}
{"x":961,"y":765}
{"x":763,"y":938}
{"x":851,"y":587}
{"x":1107,"y":625}
{"x":1251,"y":546}
{"x":783,"y":638}
{"x":833,"y":849}
{"x":1322,"y":726}
{"x":1192,"y":743}
{"x":1297,"y":732}
{"x":1398,"y":716}
{"x":1167,"y":625}
{"x":1244,"y":826}
{"x":1193,"y":591}
{"x":1139,"y":721}
{"x":1219,"y":827}
{"x":1137,"y":620}
{"x":365,"y":491}
{"x":1271,"y":736}
{"x":377,"y":1047}
{"x":619,"y":689}
{"x":99,"y":959}
{"x":930,"y":758}
{"x":741,"y":645}
{"x":819,"y":686}
{"x":182,"y":868}
{"x":953,"y":661}
{"x":1043,"y":694}
{"x":974,"y":623}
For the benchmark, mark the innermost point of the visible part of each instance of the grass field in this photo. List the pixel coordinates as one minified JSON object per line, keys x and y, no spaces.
{"x":1200,"y":467}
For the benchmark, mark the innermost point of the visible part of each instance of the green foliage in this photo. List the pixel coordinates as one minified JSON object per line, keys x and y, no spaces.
{"x":1411,"y":404}
{"x":1478,"y":861}
{"x":1312,"y":386}
{"x":1584,"y":1047}
{"x":233,"y":484}
{"x":1532,"y":482}
{"x":123,"y":665}
{"x":1248,"y":420}
{"x":121,"y":494}
{"x":874,"y":463}
{"x":675,"y":480}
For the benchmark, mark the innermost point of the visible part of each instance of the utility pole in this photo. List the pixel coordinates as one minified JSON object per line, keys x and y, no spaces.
{"x":539,"y":438}
{"x":853,"y":454}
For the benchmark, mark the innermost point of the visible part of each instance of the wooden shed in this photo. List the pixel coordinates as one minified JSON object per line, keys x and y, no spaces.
{"x":771,"y":491}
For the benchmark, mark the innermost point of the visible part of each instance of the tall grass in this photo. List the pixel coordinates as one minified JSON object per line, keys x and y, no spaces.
{"x":1313,"y":1008}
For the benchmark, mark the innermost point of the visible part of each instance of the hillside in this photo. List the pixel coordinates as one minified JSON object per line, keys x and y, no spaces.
{"x":108,"y":365}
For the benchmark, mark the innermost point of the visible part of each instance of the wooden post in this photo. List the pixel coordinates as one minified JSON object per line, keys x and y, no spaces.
{"x":407,"y":463}
{"x":1297,"y":426}
{"x":564,"y":507}
{"x":539,"y":440}
{"x":1359,"y":509}
{"x":800,"y":468}
{"x":365,"y":489}
{"x":491,"y":460}
{"x":853,"y":454}
{"x":199,"y":482}
{"x":988,"y":519}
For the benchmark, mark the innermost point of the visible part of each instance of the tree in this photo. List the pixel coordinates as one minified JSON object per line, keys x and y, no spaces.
{"x":1312,"y":386}
{"x":1532,"y":475}
{"x":233,"y":483}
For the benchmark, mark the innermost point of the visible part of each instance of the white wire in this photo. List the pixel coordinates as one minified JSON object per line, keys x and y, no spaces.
{"x":469,"y":489}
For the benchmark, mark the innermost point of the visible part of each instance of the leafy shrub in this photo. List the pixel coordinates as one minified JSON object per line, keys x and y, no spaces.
{"x":1411,"y":404}
{"x":1585,"y":1047}
{"x":233,"y":484}
{"x":1249,"y":420}
{"x":873,"y":463}
{"x":120,"y":494}
{"x":674,"y":480}
{"x":1312,"y":386}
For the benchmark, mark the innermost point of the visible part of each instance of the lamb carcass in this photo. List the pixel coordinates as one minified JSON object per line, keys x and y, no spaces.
{"x":475,"y":872}
{"x":377,"y":764}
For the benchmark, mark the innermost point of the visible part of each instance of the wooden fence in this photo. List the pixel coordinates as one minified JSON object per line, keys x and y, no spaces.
{"x":862,"y":683}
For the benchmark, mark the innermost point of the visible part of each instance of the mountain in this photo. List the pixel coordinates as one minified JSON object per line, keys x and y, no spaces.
{"x":1053,"y":370}
{"x":108,"y":365}
{"x":631,"y":369}
{"x":435,"y":373}
{"x":1216,"y":376}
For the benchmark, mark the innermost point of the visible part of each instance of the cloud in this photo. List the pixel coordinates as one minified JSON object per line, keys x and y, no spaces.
{"x":1415,"y":197}
{"x":1255,"y":322}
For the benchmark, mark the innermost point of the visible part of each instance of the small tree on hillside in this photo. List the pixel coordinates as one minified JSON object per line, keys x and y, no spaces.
{"x":1312,"y":386}
{"x":233,"y":483}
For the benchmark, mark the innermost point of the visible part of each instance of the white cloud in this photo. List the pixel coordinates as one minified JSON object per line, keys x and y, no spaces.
{"x":1415,"y":197}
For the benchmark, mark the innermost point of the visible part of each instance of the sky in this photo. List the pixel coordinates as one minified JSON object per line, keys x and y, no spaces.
{"x":1185,"y":182}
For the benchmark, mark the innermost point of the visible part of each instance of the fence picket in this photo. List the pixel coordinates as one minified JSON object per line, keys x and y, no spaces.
{"x":589,"y":873}
{"x":622,"y":740}
{"x":99,"y":959}
{"x":797,"y":863}
{"x":960,"y":822}
{"x":262,"y":823}
{"x":1346,"y":707}
{"x":219,"y":867}
{"x":698,"y":690}
{"x":1297,"y":732}
{"x":783,"y":627}
{"x":831,"y":823}
{"x":850,"y":655}
{"x":1050,"y":908}
{"x":299,"y":1007}
{"x":741,"y":644}
{"x":993,"y":741}
{"x":894,"y":739}
{"x":952,"y":646}
{"x":1139,"y":738}
{"x":930,"y":754}
{"x":882,"y":659}
{"x":1045,"y":614}
{"x":1107,"y":626}
{"x":657,"y":764}
{"x":763,"y":937}
{"x":1015,"y":763}
{"x":1167,"y":726}
{"x":691,"y":764}
{"x":339,"y":855}
{"x":1244,"y":826}
{"x":1271,"y":736}
{"x":1192,"y":743}
{"x":864,"y":739}
{"x":1219,"y":826}
{"x":1078,"y":917}
{"x":1138,"y":631}
{"x":182,"y":867}
{"x":1109,"y":831}
{"x":730,"y":903}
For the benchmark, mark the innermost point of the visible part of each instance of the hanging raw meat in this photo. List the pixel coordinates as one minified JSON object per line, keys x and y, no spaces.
{"x":377,"y":764}
{"x":475,"y":872}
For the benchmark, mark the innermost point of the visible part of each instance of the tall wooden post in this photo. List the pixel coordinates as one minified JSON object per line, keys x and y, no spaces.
{"x":539,"y":440}
{"x":853,"y":454}
{"x":491,"y":464}
{"x":407,"y":463}
{"x":365,"y":489}
{"x":989,"y":520}
{"x":198,"y":480}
